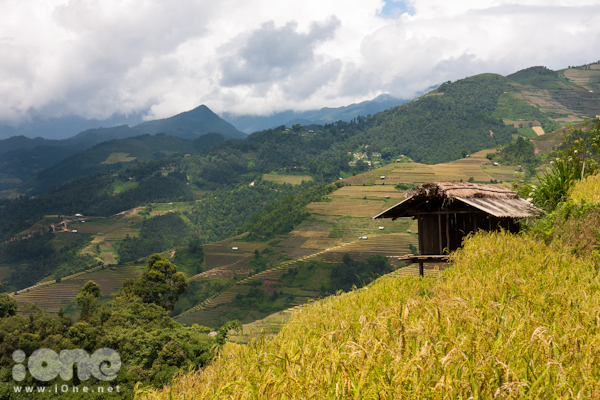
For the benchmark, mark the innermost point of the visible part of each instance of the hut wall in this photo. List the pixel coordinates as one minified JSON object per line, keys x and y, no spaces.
{"x":430,"y":236}
{"x":442,"y":233}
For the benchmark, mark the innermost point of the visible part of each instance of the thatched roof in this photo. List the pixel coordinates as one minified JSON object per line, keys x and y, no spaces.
{"x":495,"y":200}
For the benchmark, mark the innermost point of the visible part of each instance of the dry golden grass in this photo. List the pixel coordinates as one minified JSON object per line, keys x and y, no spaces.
{"x":586,"y":191}
{"x":513,"y":318}
{"x":417,"y":173}
{"x":538,"y":130}
{"x":351,"y":207}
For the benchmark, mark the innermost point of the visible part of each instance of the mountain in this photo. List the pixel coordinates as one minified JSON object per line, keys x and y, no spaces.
{"x":65,"y":126}
{"x":23,"y":142}
{"x":116,"y":154}
{"x":191,"y":124}
{"x":20,"y":165}
{"x":250,"y":123}
{"x":187,"y":125}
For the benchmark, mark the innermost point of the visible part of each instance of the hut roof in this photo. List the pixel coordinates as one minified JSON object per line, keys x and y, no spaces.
{"x":495,"y":200}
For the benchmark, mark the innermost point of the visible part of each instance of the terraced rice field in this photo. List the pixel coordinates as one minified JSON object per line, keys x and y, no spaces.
{"x":351,"y":207}
{"x":108,"y":232}
{"x":378,"y":191}
{"x":52,"y":297}
{"x":221,"y":254}
{"x":114,"y":158}
{"x":416,"y":173}
{"x":538,"y":130}
{"x":386,"y":245}
{"x":292,"y":179}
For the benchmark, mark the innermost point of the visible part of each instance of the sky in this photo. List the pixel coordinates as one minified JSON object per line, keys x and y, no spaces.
{"x":95,"y":58}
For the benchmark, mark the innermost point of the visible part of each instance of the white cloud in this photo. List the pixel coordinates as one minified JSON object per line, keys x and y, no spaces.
{"x":93,"y":58}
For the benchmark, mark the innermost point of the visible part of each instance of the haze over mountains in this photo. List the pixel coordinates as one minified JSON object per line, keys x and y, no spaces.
{"x":433,"y":128}
{"x":252,"y":123}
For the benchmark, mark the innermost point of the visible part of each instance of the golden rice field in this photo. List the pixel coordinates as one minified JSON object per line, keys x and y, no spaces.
{"x":292,"y":179}
{"x":417,"y":173}
{"x":586,"y":191}
{"x":512,"y":318}
{"x":395,"y":244}
{"x":220,"y":255}
{"x":538,"y":130}
{"x":351,"y":207}
{"x":114,"y":158}
{"x":55,"y":296}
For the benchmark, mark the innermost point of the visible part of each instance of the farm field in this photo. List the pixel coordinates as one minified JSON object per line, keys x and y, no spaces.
{"x":219,"y":309}
{"x":120,"y":187}
{"x":352,"y":207}
{"x":521,"y":122}
{"x":538,"y":130}
{"x":292,"y":179}
{"x":107,"y":234}
{"x":396,"y":244}
{"x":114,"y":158}
{"x":52,"y":297}
{"x":416,"y":173}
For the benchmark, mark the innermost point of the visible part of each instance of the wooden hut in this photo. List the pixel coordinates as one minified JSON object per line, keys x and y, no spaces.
{"x":448,"y":211}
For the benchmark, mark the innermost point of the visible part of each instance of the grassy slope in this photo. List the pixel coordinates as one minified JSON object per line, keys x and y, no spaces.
{"x":565,"y":96}
{"x":514,"y":317}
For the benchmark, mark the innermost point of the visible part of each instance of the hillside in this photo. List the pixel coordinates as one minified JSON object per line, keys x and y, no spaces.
{"x":21,"y":164}
{"x":114,"y":155}
{"x":511,"y":318}
{"x":191,"y":124}
{"x":457,"y":118}
{"x":310,"y":247}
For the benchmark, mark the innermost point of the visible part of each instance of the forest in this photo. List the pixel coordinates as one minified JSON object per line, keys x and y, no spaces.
{"x":135,"y":323}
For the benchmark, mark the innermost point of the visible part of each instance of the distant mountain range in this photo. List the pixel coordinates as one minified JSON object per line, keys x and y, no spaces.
{"x":187,"y":125}
{"x":252,"y":123}
{"x":461,"y":116}
{"x":114,"y":155}
{"x":22,"y":157}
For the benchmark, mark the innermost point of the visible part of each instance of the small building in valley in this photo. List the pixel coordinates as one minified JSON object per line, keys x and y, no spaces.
{"x":448,"y":211}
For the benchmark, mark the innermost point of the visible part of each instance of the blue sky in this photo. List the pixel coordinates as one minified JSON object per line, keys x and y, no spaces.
{"x":395,"y":8}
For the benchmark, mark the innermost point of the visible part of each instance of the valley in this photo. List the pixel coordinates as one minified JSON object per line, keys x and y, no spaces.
{"x":155,"y":240}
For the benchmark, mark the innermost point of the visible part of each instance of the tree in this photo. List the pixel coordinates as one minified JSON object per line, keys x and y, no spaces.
{"x":160,"y":283}
{"x":88,"y":300}
{"x":8,"y":306}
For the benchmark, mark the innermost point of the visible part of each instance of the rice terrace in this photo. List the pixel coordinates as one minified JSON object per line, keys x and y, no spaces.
{"x":442,"y":247}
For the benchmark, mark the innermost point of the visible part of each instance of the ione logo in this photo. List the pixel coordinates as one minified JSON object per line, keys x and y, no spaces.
{"x":45,"y":364}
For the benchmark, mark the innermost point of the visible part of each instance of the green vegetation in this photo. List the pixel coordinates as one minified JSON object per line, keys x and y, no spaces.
{"x":356,"y":273}
{"x":160,"y":283}
{"x":578,"y":157}
{"x":283,"y":216}
{"x":190,"y":260}
{"x":521,"y":152}
{"x":157,"y":234}
{"x":34,"y":258}
{"x":134,"y":323}
{"x":225,"y":212}
{"x":437,"y":129}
